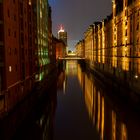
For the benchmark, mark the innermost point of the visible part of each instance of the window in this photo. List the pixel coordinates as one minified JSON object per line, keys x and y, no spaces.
{"x":14,"y":17}
{"x":10,"y":52}
{"x":16,"y":67}
{"x":25,"y":25}
{"x":15,"y":52}
{"x":1,"y":33}
{"x":131,"y":27}
{"x":1,"y":53}
{"x":15,"y":34}
{"x":1,"y":78}
{"x":22,"y":38}
{"x":9,"y":32}
{"x":10,"y":68}
{"x":137,"y":26}
{"x":126,"y":33}
{"x":138,"y":40}
{"x":30,"y":2}
{"x":21,"y":23}
{"x":8,"y":13}
{"x":1,"y":12}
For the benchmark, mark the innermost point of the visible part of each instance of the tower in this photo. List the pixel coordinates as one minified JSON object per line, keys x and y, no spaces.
{"x":62,"y":35}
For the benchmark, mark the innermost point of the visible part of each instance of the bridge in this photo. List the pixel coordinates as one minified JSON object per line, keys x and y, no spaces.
{"x":72,"y":58}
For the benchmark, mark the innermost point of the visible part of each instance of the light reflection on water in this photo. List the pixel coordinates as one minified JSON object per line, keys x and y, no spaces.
{"x":78,"y":107}
{"x":111,"y":122}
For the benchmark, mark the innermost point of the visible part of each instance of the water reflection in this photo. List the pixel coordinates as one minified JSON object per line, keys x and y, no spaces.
{"x":71,"y":120}
{"x":71,"y":67}
{"x":32,"y":119}
{"x":78,"y":106}
{"x":109,"y":120}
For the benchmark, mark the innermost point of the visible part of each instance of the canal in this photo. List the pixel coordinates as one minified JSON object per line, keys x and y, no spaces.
{"x":77,"y":106}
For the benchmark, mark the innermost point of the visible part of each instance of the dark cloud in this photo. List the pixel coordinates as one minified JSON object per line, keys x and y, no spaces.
{"x":77,"y":15}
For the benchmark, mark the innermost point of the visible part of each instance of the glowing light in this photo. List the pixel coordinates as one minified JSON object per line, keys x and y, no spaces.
{"x":136,"y":76}
{"x":123,"y":132}
{"x":10,"y":68}
{"x":61,"y":29}
{"x":113,"y":125}
{"x":125,"y":49}
{"x":30,"y":3}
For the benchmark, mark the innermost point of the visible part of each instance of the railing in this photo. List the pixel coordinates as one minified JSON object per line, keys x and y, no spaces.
{"x":72,"y":58}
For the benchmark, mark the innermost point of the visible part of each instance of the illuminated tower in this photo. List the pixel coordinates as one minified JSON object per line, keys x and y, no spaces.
{"x":62,"y":35}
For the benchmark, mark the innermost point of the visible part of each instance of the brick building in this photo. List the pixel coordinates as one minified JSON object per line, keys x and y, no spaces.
{"x":112,"y":46}
{"x":23,"y":48}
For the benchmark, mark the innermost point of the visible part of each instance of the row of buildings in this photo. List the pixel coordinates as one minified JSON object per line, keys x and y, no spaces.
{"x":112,"y":46}
{"x":26,"y":48}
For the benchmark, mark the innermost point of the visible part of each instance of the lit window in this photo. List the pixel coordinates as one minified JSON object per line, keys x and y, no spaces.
{"x":30,"y":2}
{"x":10,"y":68}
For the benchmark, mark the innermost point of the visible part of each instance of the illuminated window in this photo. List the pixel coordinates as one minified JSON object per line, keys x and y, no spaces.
{"x":10,"y":68}
{"x":30,"y":2}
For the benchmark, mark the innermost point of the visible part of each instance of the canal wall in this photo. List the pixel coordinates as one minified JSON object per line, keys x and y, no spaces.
{"x":8,"y":104}
{"x":12,"y":119}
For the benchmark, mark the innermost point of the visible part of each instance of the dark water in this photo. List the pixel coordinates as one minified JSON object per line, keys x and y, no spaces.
{"x":77,"y":107}
{"x":72,"y":120}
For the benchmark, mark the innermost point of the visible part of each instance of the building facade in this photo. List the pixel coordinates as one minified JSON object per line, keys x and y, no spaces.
{"x":24,"y":59}
{"x":43,"y":60}
{"x":62,"y":34}
{"x":113,"y":45}
{"x":52,"y":49}
{"x":13,"y":43}
{"x":60,"y":49}
{"x":80,"y":49}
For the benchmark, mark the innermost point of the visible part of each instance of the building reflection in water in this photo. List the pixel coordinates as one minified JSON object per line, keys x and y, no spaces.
{"x":71,"y":67}
{"x":111,"y":121}
{"x":71,"y":70}
{"x":31,"y":120}
{"x":110,"y":124}
{"x":61,"y":84}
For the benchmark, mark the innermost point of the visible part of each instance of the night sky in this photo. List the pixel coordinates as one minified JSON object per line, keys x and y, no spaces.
{"x":77,"y":15}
